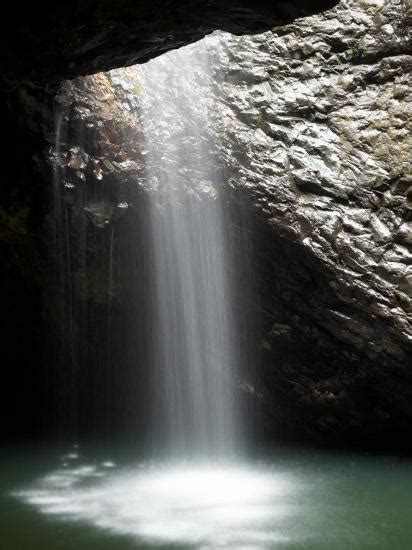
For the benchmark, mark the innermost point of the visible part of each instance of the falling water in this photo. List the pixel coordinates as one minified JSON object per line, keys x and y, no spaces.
{"x":63,"y":273}
{"x":193,"y":337}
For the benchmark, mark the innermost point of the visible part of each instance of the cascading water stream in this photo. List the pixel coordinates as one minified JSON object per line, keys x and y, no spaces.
{"x":180,"y":330}
{"x":62,"y":260}
{"x":194,"y":341}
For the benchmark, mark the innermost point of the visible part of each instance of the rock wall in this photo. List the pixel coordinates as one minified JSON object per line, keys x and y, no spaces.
{"x":317,"y":121}
{"x":312,"y":131}
{"x":311,"y":125}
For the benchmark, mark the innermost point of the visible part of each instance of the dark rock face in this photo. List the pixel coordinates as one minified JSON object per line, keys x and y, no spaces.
{"x":64,"y":40}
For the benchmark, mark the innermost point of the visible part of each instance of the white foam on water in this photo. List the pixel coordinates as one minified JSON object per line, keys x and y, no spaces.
{"x":206,"y":506}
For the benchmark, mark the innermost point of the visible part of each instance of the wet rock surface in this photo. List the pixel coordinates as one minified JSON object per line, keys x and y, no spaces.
{"x":317,"y":137}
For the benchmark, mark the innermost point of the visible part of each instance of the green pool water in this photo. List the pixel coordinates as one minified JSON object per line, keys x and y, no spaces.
{"x":92,"y":498}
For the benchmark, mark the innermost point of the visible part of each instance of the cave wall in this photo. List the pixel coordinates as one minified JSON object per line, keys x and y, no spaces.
{"x":312,"y":140}
{"x":40,"y":46}
{"x":322,"y":171}
{"x":45,"y":44}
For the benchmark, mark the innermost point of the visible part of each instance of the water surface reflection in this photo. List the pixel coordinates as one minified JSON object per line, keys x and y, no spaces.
{"x":292,"y":500}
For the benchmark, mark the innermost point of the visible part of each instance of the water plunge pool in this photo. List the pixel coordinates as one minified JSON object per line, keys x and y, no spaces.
{"x":292,"y":499}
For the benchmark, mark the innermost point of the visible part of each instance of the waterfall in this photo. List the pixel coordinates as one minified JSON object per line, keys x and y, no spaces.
{"x":193,"y":337}
{"x":151,"y":302}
